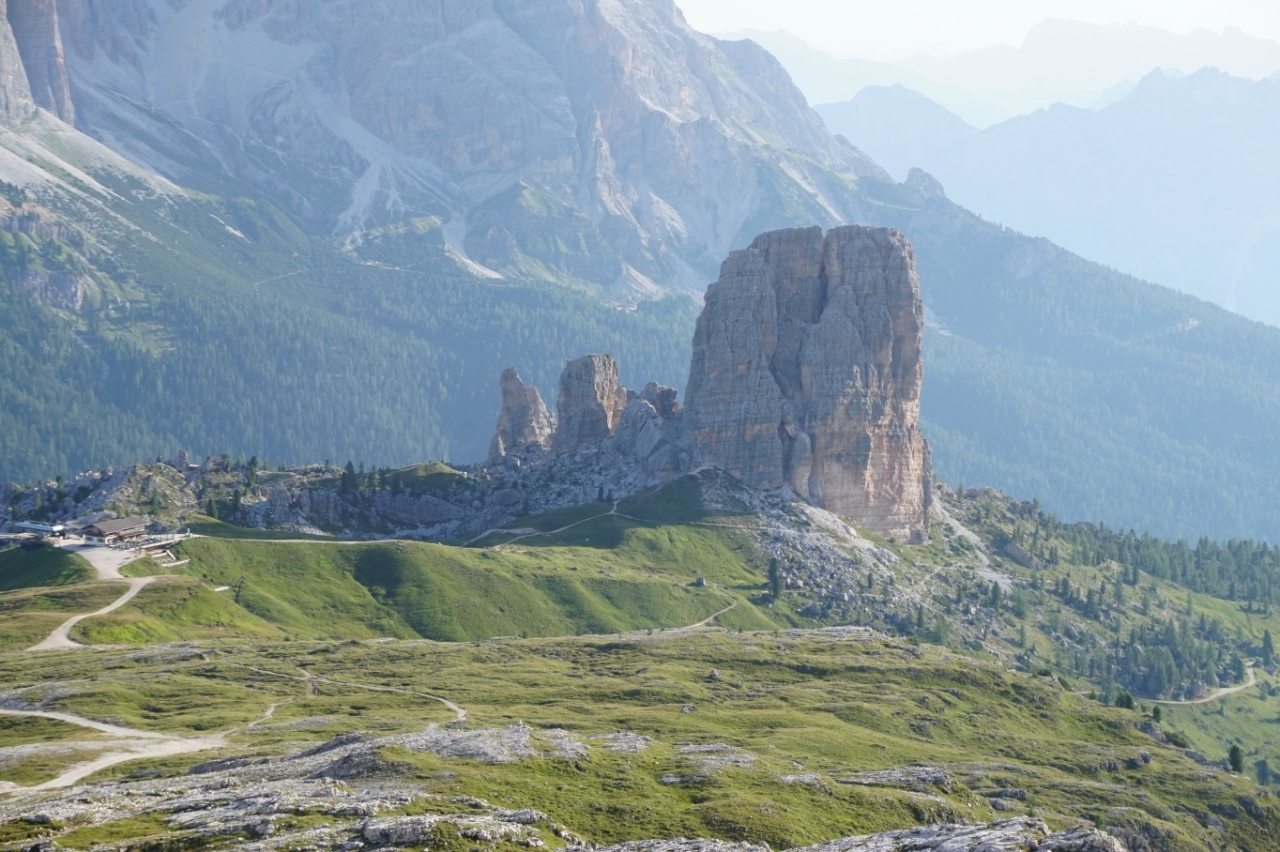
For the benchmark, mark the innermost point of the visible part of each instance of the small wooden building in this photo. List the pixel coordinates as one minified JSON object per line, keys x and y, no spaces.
{"x":119,"y":530}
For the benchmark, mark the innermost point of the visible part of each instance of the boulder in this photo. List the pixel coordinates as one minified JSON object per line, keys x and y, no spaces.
{"x":806,"y":373}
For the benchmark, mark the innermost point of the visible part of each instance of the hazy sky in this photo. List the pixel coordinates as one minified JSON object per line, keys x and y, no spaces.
{"x":892,"y":29}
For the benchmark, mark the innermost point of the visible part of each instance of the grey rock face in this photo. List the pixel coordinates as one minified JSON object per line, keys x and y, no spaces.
{"x":16,"y":102}
{"x":59,"y":290}
{"x":35,"y":28}
{"x":925,"y":184}
{"x":590,"y":404}
{"x":806,"y":372}
{"x":1012,"y":835}
{"x":1024,"y":833}
{"x":663,"y":399}
{"x":524,"y":420}
{"x":918,"y":778}
{"x":606,"y":143}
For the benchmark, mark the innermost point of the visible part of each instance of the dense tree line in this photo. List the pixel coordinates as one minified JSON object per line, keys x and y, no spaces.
{"x":354,"y":362}
{"x":1243,"y":570}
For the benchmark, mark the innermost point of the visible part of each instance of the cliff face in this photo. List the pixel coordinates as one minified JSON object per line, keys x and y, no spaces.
{"x":806,"y":372}
{"x":35,"y":28}
{"x":590,"y":403}
{"x":15,"y":93}
{"x":606,"y":142}
{"x":524,"y":421}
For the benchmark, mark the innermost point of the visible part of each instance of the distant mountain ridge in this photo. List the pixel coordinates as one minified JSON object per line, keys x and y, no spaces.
{"x":993,"y":84}
{"x":1177,"y":183}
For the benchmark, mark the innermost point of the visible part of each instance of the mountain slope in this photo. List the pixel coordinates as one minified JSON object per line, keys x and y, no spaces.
{"x":217,"y":301}
{"x":648,"y":148}
{"x":1047,"y":374}
{"x":1177,"y":183}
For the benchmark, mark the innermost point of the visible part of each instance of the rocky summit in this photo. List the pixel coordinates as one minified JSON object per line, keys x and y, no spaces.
{"x":524,"y":420}
{"x":806,"y":373}
{"x":590,"y":403}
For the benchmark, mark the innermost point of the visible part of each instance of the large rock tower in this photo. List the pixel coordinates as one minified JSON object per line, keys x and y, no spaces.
{"x":806,"y":372}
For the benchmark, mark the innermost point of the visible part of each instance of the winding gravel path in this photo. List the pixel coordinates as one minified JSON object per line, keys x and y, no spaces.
{"x":1223,"y":692}
{"x":60,"y":639}
{"x":106,"y":562}
{"x":148,"y":745}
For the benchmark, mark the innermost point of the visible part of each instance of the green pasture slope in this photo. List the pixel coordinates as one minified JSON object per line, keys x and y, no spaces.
{"x":568,"y":626}
{"x":26,"y":569}
{"x":806,"y":710}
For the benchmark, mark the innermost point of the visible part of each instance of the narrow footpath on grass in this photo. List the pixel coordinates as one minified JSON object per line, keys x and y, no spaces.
{"x":535,"y":533}
{"x":144,"y":745}
{"x":311,"y":680}
{"x":704,"y":622}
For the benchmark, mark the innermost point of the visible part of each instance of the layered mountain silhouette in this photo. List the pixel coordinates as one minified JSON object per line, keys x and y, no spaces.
{"x":1178,"y":182}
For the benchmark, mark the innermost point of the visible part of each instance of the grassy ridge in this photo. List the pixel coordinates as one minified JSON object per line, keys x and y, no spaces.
{"x":170,"y":610}
{"x":408,"y":590}
{"x":48,"y":566}
{"x":29,"y":615}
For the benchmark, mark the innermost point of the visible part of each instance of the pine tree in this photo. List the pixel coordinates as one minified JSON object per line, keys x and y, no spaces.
{"x":1268,"y":648}
{"x":1236,"y":758}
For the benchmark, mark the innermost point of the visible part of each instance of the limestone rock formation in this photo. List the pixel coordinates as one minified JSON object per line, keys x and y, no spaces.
{"x":35,"y":28}
{"x":1024,"y":834}
{"x":609,"y":144}
{"x":590,"y":404}
{"x":524,"y":420}
{"x":806,"y":372}
{"x":663,"y":399}
{"x":925,"y":184}
{"x":15,"y":93}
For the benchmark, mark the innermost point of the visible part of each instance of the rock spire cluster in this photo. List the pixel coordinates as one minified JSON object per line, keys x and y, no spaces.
{"x":806,"y":374}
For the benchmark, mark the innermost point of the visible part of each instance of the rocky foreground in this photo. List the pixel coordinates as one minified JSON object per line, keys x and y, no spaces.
{"x":361,"y":804}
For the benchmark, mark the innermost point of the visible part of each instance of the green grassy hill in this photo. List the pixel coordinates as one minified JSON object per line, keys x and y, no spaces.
{"x":1018,"y":689}
{"x":48,"y":566}
{"x":1086,"y":604}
